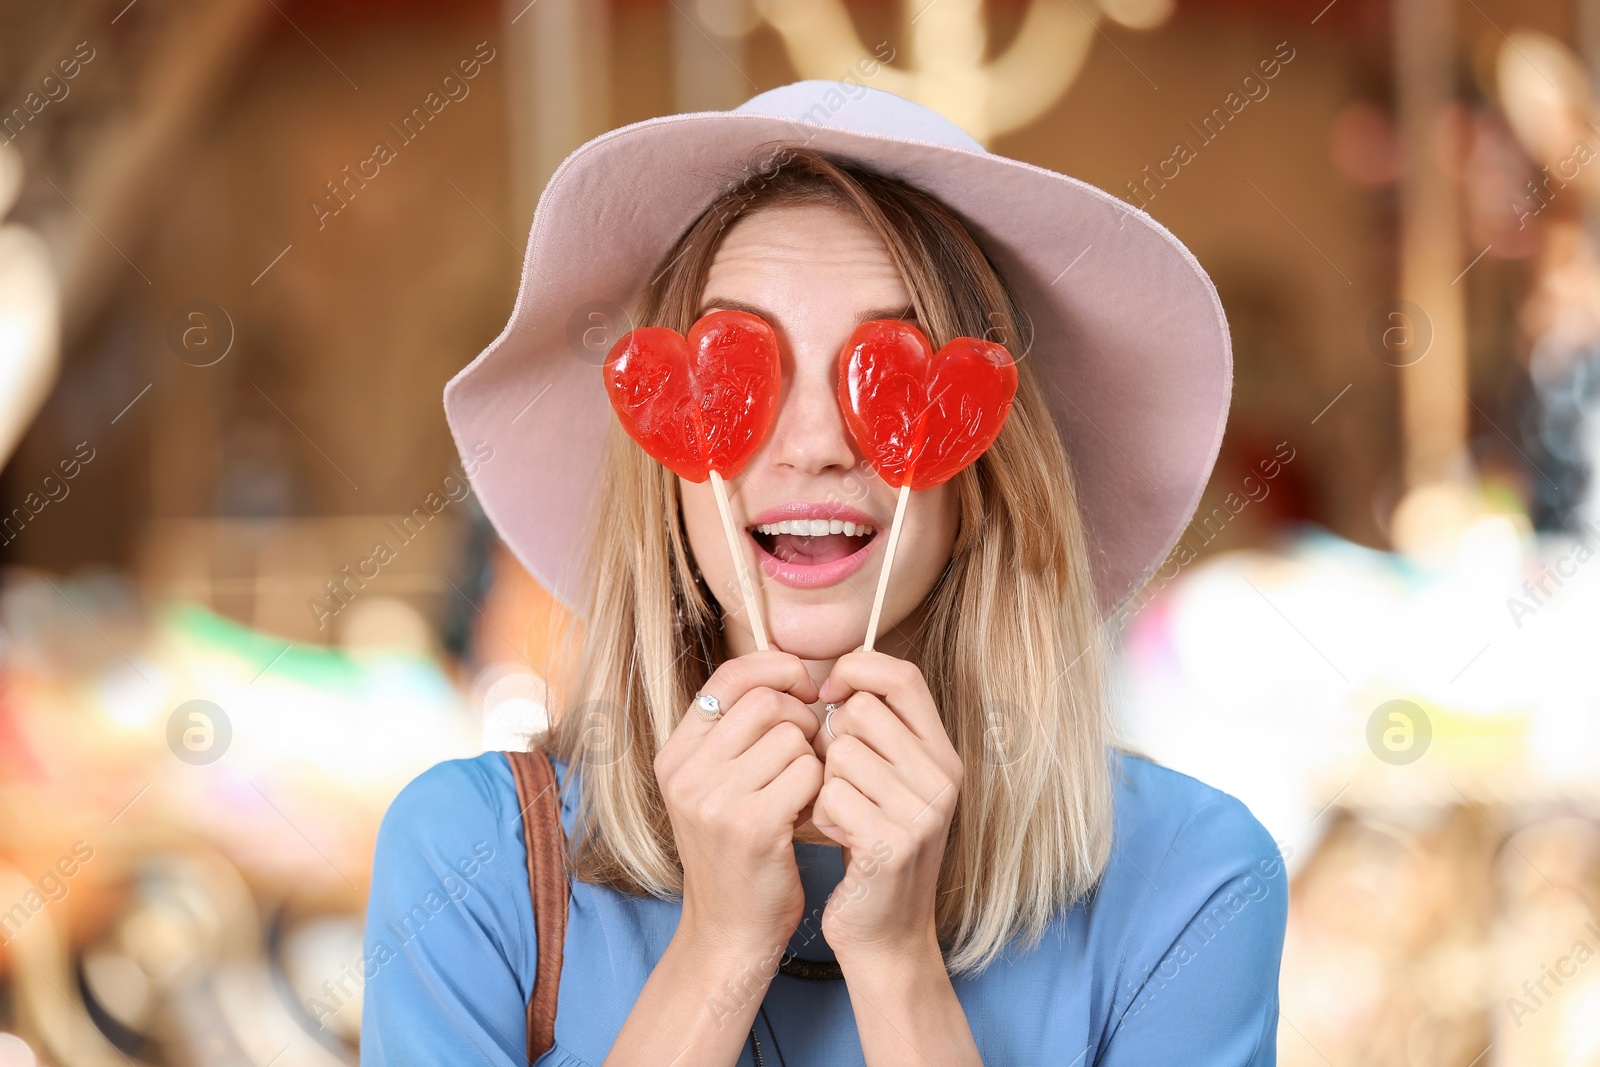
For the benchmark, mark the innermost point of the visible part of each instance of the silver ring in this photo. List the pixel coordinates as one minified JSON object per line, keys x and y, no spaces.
{"x":710,"y":707}
{"x":826,"y":725}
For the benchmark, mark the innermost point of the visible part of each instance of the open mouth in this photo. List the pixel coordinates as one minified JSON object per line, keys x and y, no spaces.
{"x":812,"y":542}
{"x":797,"y":543}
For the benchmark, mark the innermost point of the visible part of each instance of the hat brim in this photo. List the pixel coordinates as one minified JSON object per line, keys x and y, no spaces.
{"x":1129,"y":337}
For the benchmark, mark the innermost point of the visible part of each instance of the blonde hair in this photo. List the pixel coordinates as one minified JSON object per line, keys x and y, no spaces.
{"x":1010,"y":642}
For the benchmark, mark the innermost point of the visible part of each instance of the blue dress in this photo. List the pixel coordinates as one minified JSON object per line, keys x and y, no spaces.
{"x":1172,"y":959}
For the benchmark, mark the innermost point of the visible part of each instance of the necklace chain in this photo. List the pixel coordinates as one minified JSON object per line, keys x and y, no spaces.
{"x":755,"y":1044}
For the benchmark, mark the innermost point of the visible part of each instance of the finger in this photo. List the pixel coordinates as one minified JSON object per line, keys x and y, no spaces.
{"x":795,"y":787}
{"x":899,"y":797}
{"x":866,"y":717}
{"x":733,"y":679}
{"x":926,"y":768}
{"x":853,"y":820}
{"x":752,"y":717}
{"x":773,"y":669}
{"x":897,"y":681}
{"x":771,"y":754}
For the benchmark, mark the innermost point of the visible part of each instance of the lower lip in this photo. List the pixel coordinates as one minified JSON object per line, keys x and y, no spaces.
{"x":801,"y":576}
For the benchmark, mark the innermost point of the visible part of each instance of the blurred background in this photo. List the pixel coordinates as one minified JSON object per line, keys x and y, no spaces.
{"x":227,"y":314}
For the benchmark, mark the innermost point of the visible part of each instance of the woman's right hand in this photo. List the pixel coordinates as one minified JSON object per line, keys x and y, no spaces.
{"x":735,"y":788}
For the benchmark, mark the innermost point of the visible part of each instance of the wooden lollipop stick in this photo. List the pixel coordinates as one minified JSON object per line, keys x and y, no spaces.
{"x":888,"y":561}
{"x":736,"y":547}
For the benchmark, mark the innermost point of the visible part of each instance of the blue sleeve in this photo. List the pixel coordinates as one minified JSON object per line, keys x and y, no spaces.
{"x":449,"y":943}
{"x":1209,"y":994}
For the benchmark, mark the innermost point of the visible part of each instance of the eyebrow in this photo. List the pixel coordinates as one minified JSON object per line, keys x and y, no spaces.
{"x":907,"y":312}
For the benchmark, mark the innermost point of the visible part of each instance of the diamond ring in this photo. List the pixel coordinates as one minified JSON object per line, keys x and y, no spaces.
{"x":826,"y":725}
{"x":710,"y":707}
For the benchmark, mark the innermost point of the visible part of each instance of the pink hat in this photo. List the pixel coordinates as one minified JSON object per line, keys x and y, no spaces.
{"x":1129,"y":340}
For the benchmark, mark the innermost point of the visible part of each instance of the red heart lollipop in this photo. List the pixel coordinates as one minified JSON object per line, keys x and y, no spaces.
{"x":699,"y":404}
{"x":921,"y":417}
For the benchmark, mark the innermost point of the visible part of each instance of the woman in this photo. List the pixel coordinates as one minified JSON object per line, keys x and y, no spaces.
{"x":957,"y":865}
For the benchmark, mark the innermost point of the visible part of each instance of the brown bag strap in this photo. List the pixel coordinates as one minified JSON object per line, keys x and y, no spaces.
{"x":547,"y":881}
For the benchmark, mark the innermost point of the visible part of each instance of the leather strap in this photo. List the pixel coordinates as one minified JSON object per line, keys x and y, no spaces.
{"x":546,"y":842}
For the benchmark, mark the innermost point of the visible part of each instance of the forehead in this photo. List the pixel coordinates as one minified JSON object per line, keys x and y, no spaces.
{"x":795,"y":258}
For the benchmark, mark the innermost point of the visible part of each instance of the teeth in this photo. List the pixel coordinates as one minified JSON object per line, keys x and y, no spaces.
{"x":814,"y":527}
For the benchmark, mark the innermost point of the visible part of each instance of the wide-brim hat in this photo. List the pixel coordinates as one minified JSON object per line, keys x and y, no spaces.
{"x":1128,"y":336}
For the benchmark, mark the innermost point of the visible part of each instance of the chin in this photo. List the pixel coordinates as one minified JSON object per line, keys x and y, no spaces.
{"x":818,"y":631}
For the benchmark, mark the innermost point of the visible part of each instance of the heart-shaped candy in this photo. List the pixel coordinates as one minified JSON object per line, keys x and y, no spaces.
{"x":698,"y":404}
{"x":921,"y":417}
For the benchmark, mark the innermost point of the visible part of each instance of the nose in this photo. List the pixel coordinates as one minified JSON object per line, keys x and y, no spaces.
{"x":809,"y":435}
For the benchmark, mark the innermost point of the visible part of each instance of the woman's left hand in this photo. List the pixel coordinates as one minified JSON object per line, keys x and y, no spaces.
{"x":889,"y":788}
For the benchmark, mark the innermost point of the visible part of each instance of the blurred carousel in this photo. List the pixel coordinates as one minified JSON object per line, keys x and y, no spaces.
{"x":190,"y":810}
{"x":1420,"y":729}
{"x":1430,"y":771}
